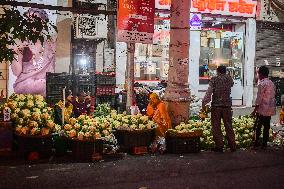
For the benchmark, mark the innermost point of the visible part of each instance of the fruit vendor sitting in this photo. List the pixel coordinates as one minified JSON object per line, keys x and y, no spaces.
{"x":157,"y":111}
{"x":68,"y":112}
{"x":81,"y":104}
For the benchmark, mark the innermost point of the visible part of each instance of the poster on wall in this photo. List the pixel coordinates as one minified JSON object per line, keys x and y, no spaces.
{"x":165,"y":69}
{"x":135,"y":21}
{"x":244,"y":8}
{"x":90,"y":27}
{"x":157,"y":50}
{"x":137,"y":69}
{"x":162,"y":34}
{"x":3,"y":80}
{"x":151,"y":68}
{"x":142,"y":49}
{"x":109,"y":59}
{"x":27,"y":73}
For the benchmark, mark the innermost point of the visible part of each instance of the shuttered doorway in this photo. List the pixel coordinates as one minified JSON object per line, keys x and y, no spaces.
{"x":270,"y":52}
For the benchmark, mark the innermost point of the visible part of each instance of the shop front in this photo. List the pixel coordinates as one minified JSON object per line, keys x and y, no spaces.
{"x":221,"y":44}
{"x":221,"y":33}
{"x":226,"y":37}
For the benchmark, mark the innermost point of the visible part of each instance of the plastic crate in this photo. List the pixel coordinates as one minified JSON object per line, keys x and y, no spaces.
{"x":55,"y":83}
{"x":86,"y":88}
{"x":180,"y":145}
{"x":127,"y":140}
{"x":105,"y":90}
{"x":30,"y":144}
{"x":84,"y":150}
{"x":106,"y":79}
{"x":58,"y":78}
{"x":56,"y":89}
{"x":88,"y":79}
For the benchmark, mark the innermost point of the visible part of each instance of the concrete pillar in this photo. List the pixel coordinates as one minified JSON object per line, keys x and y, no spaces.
{"x":177,"y":92}
{"x":121,"y":59}
{"x":194,"y":56}
{"x":250,"y":40}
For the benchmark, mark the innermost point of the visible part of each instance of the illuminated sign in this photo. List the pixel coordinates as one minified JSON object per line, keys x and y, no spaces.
{"x":163,"y":4}
{"x":245,"y":8}
{"x":195,"y":21}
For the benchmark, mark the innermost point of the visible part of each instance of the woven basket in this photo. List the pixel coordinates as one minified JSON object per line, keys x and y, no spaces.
{"x":196,"y":133}
{"x":179,"y":144}
{"x":84,"y":150}
{"x":136,"y":138}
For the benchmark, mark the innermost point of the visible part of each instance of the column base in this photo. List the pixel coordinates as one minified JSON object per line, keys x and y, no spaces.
{"x":178,"y":111}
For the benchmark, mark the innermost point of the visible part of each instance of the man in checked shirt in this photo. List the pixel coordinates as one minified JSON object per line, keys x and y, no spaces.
{"x":265,"y":106}
{"x":220,"y":91}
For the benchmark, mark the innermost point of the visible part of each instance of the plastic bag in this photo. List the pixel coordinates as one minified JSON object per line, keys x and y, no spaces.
{"x":159,"y":145}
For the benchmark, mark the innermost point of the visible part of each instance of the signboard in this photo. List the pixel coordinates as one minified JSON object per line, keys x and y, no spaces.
{"x":195,"y":21}
{"x":136,"y":21}
{"x":244,"y":8}
{"x":90,"y":27}
{"x":162,"y":33}
{"x":163,"y":4}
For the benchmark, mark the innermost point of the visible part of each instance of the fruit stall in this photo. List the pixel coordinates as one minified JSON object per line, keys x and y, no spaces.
{"x":32,"y":132}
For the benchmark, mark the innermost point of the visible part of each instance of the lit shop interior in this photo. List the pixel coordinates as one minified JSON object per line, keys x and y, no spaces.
{"x":219,"y":42}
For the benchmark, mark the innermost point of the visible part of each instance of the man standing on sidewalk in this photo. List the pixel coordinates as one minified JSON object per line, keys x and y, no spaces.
{"x":265,"y":106}
{"x":221,"y":108}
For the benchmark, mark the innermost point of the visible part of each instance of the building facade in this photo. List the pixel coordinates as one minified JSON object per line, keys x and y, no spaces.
{"x":221,"y":33}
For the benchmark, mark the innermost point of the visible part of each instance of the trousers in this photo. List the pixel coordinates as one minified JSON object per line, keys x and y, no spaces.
{"x":217,"y":114}
{"x":259,"y":122}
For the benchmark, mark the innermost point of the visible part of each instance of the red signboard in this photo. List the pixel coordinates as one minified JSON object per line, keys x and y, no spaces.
{"x":163,"y":4}
{"x":136,"y":21}
{"x":244,"y":8}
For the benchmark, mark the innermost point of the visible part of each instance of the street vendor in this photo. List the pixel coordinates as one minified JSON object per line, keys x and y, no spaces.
{"x":68,"y":112}
{"x":81,"y":104}
{"x":157,"y":111}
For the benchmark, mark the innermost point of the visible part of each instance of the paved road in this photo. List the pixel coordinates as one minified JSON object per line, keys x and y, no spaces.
{"x":241,"y":169}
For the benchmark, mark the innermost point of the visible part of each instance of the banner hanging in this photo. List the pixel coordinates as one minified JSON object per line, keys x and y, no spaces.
{"x":136,"y":21}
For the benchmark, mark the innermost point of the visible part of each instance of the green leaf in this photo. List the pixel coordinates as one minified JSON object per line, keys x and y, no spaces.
{"x":15,"y":26}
